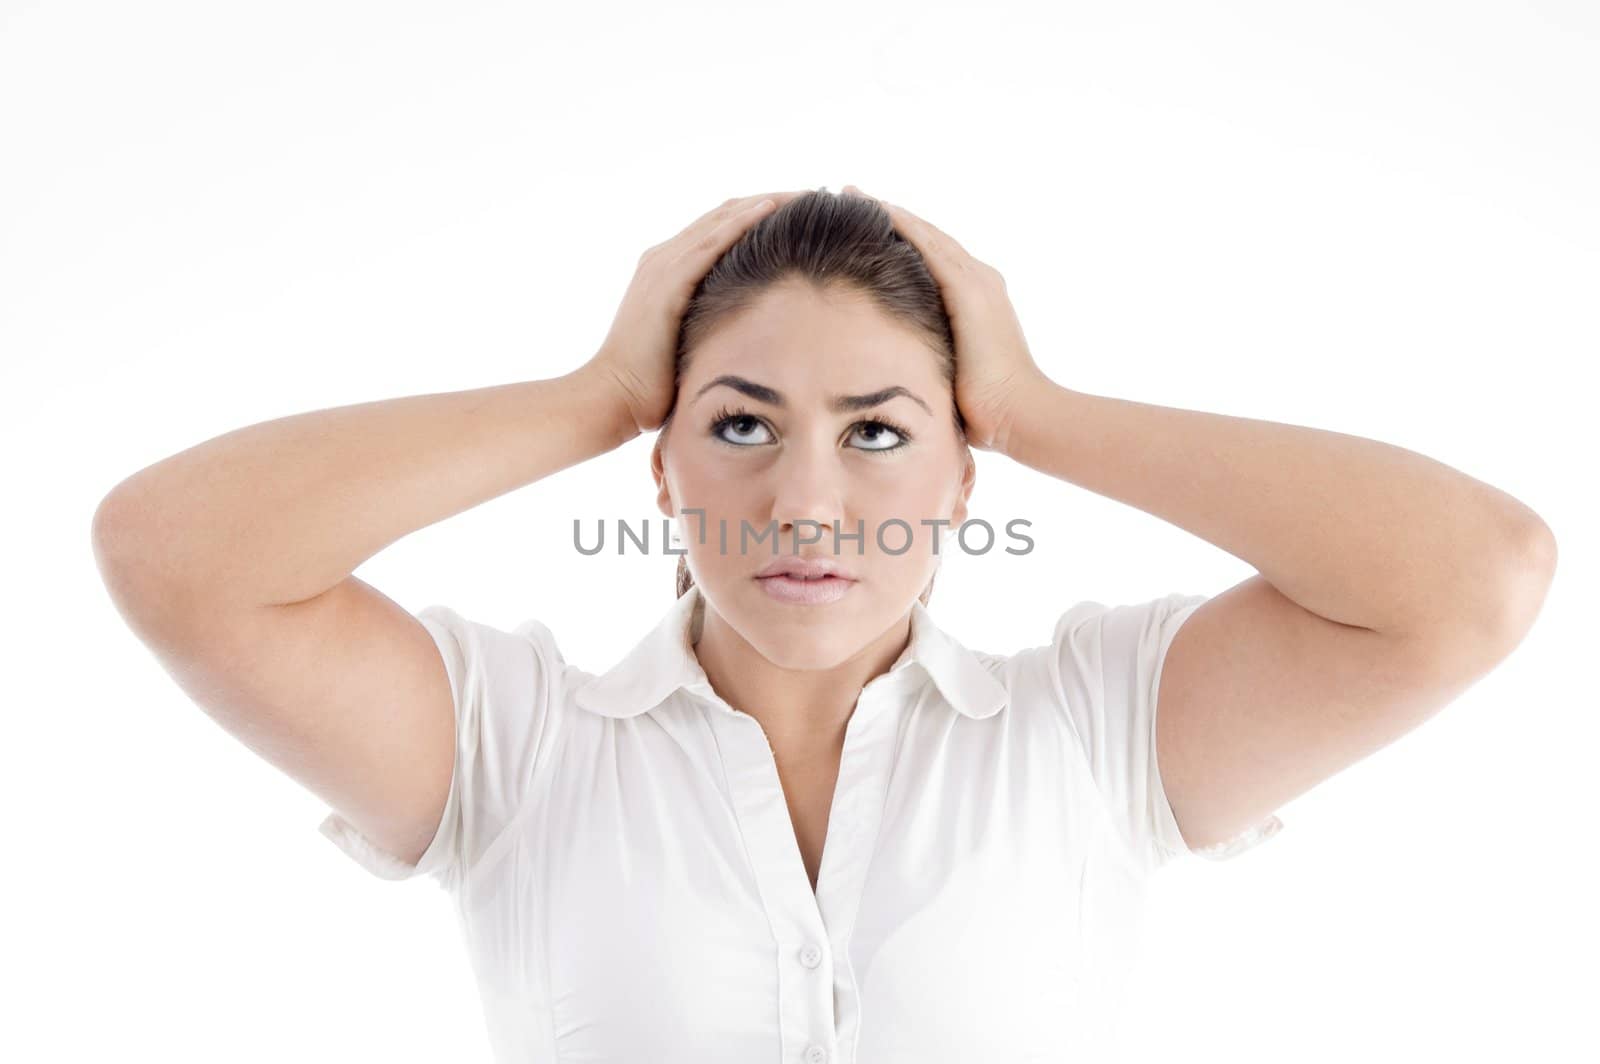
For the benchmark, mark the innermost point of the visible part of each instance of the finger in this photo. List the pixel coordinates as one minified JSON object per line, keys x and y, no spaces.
{"x":698,"y":228}
{"x":943,"y":261}
{"x":938,"y":247}
{"x":937,"y":239}
{"x":702,"y":250}
{"x":895,"y":212}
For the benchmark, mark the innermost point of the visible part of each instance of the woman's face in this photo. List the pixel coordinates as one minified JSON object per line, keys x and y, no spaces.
{"x":785,"y":460}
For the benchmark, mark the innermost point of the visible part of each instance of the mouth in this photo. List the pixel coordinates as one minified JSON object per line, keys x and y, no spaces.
{"x":807,"y":567}
{"x":800,"y":589}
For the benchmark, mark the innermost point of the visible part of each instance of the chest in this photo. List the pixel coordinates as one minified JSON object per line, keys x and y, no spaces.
{"x":808,"y":786}
{"x":673,"y":895}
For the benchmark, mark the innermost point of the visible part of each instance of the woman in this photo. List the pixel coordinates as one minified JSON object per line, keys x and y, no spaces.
{"x":797,"y":820}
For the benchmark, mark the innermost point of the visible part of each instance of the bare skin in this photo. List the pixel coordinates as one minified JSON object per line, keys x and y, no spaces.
{"x":798,"y":669}
{"x":1387,"y":582}
{"x":233,"y":560}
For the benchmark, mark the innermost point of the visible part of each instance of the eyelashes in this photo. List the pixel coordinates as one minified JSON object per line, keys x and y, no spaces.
{"x":726,"y":416}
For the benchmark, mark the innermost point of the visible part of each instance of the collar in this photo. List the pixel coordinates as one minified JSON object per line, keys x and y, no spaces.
{"x":664,"y":661}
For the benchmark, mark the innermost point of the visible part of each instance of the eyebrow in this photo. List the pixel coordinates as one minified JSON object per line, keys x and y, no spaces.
{"x":840,"y":404}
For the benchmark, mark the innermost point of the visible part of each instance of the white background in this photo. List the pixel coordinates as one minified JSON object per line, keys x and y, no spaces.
{"x":1378,"y":218}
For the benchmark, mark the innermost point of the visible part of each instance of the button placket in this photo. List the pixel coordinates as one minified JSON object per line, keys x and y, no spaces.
{"x":818,"y":997}
{"x":806,"y":1001}
{"x":864,"y":775}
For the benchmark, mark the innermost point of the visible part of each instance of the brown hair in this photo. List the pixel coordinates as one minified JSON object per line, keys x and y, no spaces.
{"x":830,"y":240}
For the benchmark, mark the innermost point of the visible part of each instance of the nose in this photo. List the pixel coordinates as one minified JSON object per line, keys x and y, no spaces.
{"x":807,"y":499}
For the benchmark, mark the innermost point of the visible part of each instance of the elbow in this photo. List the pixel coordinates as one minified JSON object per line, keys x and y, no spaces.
{"x":113,"y":533}
{"x":1527,"y":583}
{"x":119,"y":541}
{"x":1472,"y":631}
{"x":1538,"y":550}
{"x":108,"y":539}
{"x":1517,"y":595}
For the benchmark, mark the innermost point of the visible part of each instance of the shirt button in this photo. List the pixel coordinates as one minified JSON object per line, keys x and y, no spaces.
{"x":816,"y":1055}
{"x":810,"y":956}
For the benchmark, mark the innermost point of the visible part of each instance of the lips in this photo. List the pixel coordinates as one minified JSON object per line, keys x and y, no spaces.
{"x":805,"y":585}
{"x":806,"y":569}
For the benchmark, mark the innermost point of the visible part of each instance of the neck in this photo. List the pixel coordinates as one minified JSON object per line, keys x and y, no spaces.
{"x":804,"y":712}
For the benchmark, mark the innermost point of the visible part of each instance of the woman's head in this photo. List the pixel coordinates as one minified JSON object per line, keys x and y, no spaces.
{"x":820,"y":300}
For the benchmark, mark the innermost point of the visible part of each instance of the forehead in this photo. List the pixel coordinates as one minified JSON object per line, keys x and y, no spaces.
{"x":799,"y":339}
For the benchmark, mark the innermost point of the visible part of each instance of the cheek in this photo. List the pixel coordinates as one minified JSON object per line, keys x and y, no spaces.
{"x":910,"y":492}
{"x":699,"y":483}
{"x":728,"y":504}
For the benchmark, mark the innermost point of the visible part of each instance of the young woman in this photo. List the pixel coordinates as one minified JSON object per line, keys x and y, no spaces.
{"x":798,"y":821}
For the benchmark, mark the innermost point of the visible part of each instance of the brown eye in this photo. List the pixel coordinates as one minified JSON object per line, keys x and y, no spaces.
{"x":882,"y":436}
{"x":741,"y":425}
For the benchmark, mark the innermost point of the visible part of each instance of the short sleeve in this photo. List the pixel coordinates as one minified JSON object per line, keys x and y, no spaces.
{"x":1106,"y":664}
{"x":504,"y":685}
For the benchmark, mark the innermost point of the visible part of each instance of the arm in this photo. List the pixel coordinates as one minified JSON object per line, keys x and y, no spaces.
{"x":282,"y":511}
{"x":1356,"y":532}
{"x":1388,"y":583}
{"x":1359,"y":532}
{"x":232,"y":560}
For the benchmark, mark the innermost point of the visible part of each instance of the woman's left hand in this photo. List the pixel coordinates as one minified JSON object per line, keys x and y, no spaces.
{"x":994,"y":368}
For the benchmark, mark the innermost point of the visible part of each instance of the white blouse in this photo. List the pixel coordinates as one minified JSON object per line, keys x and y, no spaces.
{"x":628,"y":881}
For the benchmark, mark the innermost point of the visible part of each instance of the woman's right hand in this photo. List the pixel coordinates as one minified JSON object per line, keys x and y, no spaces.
{"x":640,"y":351}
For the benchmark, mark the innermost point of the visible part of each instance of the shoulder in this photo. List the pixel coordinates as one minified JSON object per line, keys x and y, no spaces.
{"x":490,"y":664}
{"x":1096,"y":659}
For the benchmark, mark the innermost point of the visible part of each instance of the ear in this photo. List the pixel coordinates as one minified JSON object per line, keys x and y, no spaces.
{"x":969,"y":476}
{"x":658,"y":470}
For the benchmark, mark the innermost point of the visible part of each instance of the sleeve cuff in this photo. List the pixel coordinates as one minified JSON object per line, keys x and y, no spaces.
{"x":373,"y":858}
{"x":1169,"y":840}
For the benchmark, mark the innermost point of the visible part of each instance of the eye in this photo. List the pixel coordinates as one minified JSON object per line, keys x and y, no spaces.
{"x":741,"y":421}
{"x":875,"y":431}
